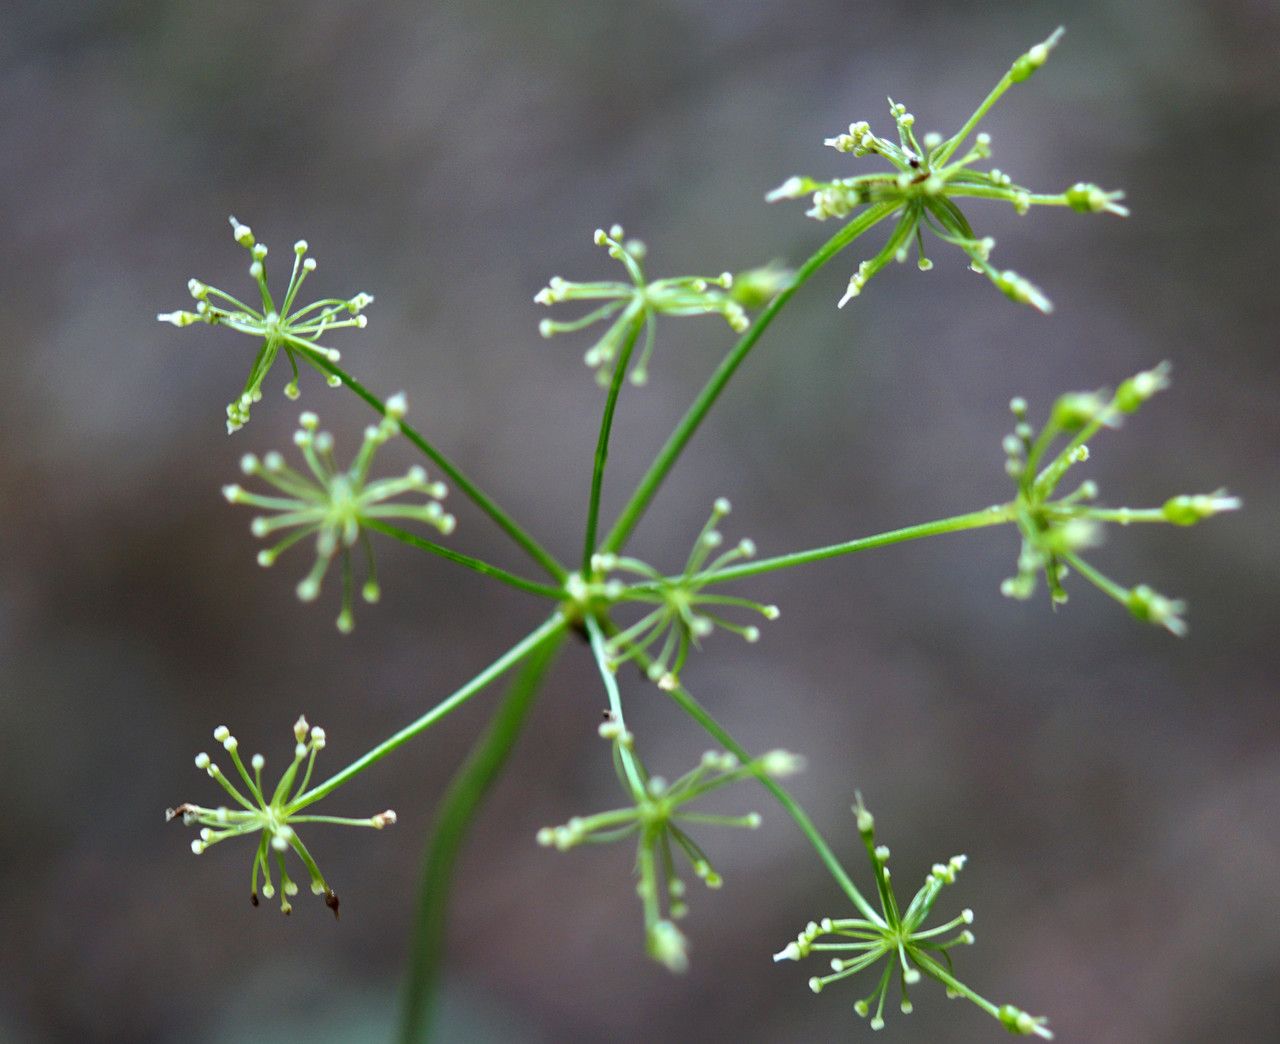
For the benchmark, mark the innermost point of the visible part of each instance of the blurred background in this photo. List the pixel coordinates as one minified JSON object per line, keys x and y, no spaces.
{"x":1114,"y":788}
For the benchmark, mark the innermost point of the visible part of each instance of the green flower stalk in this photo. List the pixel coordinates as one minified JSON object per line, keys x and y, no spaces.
{"x":683,"y":611}
{"x":898,"y":937}
{"x":633,"y":306}
{"x":273,"y":819}
{"x":337,"y":507}
{"x":659,"y":819}
{"x":927,"y":178}
{"x":1056,"y":529}
{"x":281,"y":327}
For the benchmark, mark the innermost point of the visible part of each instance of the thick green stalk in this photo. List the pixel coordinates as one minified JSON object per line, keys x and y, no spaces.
{"x":555,"y":625}
{"x":469,"y":489}
{"x":675,"y":444}
{"x":992,"y":516}
{"x":457,"y":808}
{"x":479,"y":565}
{"x":602,"y":444}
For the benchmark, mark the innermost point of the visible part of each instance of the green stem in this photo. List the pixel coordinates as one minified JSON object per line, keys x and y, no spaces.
{"x":703,"y":717}
{"x":601,"y":657}
{"x":476,"y":564}
{"x":553,"y":626}
{"x":1103,"y":583}
{"x":602,"y":444}
{"x":457,"y":808}
{"x":933,"y":968}
{"x":477,"y":496}
{"x":992,"y":516}
{"x":1123,"y":516}
{"x":1037,"y":199}
{"x":699,"y":714}
{"x":456,"y":811}
{"x":955,"y":141}
{"x":675,"y":444}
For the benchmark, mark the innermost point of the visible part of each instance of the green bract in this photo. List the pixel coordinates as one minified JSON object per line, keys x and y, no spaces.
{"x":926,"y":180}
{"x":337,"y":507}
{"x":295,"y":330}
{"x":1056,"y":529}
{"x":271,"y":817}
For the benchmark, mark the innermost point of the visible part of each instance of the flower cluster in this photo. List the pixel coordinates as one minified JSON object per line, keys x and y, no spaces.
{"x":295,"y":330}
{"x":659,"y":819}
{"x":337,"y":506}
{"x":897,"y":937}
{"x":634,"y":306}
{"x":272,"y":818}
{"x":1055,"y":531}
{"x":927,"y":178}
{"x":683,"y":613}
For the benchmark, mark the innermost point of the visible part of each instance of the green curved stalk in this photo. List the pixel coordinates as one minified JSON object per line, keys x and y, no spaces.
{"x":992,"y":516}
{"x":717,"y":731}
{"x":556,"y":624}
{"x":675,"y":444}
{"x":457,"y":808}
{"x":468,"y":488}
{"x":476,"y":564}
{"x":1103,"y":583}
{"x":602,"y":444}
{"x":713,"y":728}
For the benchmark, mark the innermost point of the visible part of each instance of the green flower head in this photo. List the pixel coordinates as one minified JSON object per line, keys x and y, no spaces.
{"x":282,"y":327}
{"x":337,"y":507}
{"x":898,"y":937}
{"x":926,"y":179}
{"x":271,"y":817}
{"x":1057,"y":529}
{"x":633,"y":307}
{"x":659,"y":819}
{"x":682,"y":613}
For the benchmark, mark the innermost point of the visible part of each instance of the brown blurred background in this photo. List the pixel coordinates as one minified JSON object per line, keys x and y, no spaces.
{"x":1115,"y":789}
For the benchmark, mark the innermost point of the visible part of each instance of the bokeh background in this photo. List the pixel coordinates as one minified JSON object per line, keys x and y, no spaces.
{"x":1115,"y":789}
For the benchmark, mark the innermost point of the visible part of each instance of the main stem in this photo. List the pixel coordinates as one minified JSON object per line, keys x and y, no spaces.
{"x":457,"y":808}
{"x":469,"y":489}
{"x":675,"y":444}
{"x":555,"y":625}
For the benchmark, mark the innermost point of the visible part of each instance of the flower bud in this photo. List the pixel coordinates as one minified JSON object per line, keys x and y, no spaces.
{"x":1188,"y":510}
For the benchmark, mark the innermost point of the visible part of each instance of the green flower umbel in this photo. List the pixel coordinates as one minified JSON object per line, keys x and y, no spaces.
{"x":272,"y":819}
{"x":659,"y":819}
{"x":337,"y":507}
{"x":927,"y":179}
{"x":683,"y":613}
{"x":899,"y":938}
{"x":283,"y":326}
{"x":631,"y":306}
{"x":1056,"y":529}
